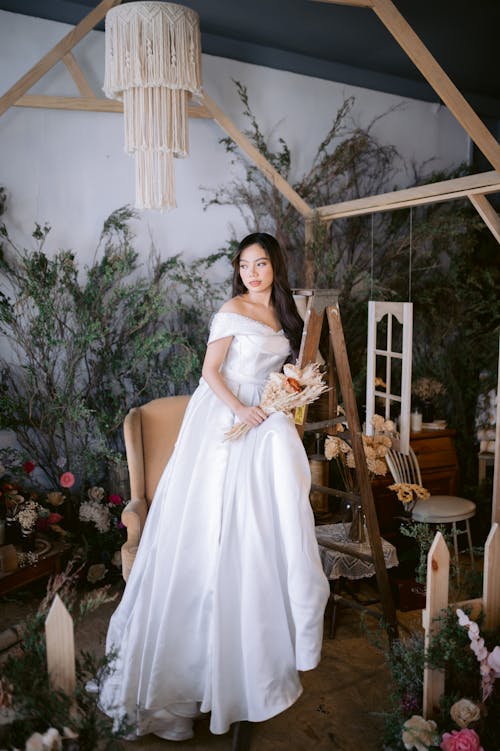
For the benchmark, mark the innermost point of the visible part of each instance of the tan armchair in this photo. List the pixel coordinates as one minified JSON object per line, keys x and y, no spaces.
{"x":150,"y":435}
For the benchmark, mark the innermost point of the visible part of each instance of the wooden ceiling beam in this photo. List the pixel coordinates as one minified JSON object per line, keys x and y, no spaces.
{"x":92,"y":104}
{"x":77,"y":75}
{"x":56,"y":54}
{"x":355,"y":3}
{"x":487,"y":214}
{"x":459,"y":187}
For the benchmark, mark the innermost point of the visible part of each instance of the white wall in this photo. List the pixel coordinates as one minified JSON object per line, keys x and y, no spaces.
{"x":69,"y":169}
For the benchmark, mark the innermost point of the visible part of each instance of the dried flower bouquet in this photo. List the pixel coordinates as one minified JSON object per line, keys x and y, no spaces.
{"x":284,"y":392}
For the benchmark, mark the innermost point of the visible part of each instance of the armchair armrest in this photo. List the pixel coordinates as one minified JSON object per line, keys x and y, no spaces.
{"x":133,"y":518}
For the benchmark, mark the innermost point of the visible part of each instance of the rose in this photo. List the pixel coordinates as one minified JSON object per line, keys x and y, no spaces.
{"x":28,"y":467}
{"x":464,"y":712}
{"x":461,"y":740}
{"x":55,"y":498}
{"x":67,"y":480}
{"x":46,"y":518}
{"x":96,"y":572}
{"x":419,"y":733}
{"x":95,"y":493}
{"x":115,"y":499}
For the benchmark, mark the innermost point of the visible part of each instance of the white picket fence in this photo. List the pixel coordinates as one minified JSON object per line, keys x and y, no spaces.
{"x":60,"y":640}
{"x":438,"y":569}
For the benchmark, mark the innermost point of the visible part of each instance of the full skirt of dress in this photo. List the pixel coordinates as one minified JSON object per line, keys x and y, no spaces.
{"x":225,"y":600}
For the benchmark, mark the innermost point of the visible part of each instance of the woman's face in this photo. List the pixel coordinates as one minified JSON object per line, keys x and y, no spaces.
{"x":256,"y":270}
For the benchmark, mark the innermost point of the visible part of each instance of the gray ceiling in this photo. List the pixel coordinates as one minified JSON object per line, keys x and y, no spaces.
{"x":341,"y":43}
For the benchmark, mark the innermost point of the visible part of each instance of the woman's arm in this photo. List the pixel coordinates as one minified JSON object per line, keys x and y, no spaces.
{"x":214,"y":357}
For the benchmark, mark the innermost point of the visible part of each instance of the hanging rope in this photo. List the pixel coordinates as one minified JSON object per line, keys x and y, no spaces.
{"x":409,"y":255}
{"x":371,"y":265}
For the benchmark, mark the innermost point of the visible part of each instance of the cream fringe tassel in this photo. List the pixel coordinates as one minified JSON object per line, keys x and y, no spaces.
{"x":153,"y":63}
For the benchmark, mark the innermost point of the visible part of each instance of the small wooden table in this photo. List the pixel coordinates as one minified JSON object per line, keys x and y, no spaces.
{"x":48,"y":563}
{"x":343,"y":563}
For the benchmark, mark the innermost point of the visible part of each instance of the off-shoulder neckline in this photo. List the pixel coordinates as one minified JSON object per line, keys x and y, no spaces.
{"x":249,"y":318}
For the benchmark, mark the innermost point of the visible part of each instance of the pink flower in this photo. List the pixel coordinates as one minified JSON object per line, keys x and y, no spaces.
{"x":29,"y":467}
{"x":494,"y":661}
{"x":67,"y":480}
{"x":461,"y":740}
{"x":115,"y":499}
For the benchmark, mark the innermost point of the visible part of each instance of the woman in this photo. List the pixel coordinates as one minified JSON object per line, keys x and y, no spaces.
{"x":225,"y":600}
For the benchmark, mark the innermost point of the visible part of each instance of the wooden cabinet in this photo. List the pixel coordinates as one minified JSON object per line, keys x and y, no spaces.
{"x":437,"y":458}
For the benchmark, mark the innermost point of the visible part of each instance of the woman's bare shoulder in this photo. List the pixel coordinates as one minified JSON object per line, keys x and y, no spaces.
{"x":234,"y":305}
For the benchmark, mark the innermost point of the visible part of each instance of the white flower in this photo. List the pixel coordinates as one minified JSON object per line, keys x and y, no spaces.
{"x":95,"y":493}
{"x":34,"y":743}
{"x":419,"y":733}
{"x":52,"y":741}
{"x":93,"y":511}
{"x":27,"y":515}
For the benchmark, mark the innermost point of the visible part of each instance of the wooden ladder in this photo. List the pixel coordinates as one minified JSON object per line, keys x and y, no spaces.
{"x":319,"y":304}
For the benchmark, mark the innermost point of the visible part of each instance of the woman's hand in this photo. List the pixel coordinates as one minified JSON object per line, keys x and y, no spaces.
{"x":251,"y":416}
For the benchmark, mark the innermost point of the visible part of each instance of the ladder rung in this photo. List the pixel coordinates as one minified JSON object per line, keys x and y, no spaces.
{"x":310,"y":426}
{"x":342,"y":547}
{"x":337,"y":493}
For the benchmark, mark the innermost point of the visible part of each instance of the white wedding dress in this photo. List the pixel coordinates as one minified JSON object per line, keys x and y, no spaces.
{"x":225,"y":600}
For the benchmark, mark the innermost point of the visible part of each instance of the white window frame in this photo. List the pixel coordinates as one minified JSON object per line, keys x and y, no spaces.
{"x":403,"y":312}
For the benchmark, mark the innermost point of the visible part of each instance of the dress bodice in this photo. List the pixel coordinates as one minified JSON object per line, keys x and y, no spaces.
{"x":255,"y":351}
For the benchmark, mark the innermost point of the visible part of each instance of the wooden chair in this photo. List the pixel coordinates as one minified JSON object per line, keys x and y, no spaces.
{"x":150,"y":435}
{"x":437,"y":509}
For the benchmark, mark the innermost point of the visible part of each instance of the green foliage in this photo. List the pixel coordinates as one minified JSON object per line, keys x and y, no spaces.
{"x":81,"y":346}
{"x":444,"y":247}
{"x":424,"y":535}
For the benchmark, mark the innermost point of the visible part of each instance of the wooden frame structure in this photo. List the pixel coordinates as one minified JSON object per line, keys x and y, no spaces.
{"x":475,"y":187}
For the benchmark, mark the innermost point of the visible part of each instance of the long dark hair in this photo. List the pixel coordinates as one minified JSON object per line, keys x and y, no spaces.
{"x":281,"y":295}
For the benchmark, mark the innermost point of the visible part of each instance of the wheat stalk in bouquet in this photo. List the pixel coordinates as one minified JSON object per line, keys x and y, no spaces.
{"x":283,"y":392}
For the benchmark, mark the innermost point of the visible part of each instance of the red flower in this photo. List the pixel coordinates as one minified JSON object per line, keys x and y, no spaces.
{"x":67,"y":480}
{"x":29,"y":467}
{"x":116,"y":499}
{"x":54,"y":518}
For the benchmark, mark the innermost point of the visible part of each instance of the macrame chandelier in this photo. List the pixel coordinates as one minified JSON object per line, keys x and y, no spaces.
{"x":153,"y":64}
